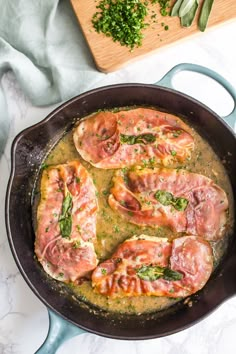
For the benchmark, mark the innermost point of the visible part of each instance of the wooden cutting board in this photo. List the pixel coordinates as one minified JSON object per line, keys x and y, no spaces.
{"x":109,"y":56}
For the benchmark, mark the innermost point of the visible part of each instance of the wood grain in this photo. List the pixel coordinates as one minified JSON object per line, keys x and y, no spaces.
{"x":110,"y":56}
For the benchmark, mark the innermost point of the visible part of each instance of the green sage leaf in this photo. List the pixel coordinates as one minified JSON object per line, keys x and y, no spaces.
{"x":65,"y":226}
{"x":65,"y":219}
{"x":180,"y":204}
{"x":165,"y":198}
{"x":170,"y":274}
{"x":152,"y":273}
{"x":185,"y":7}
{"x":137,"y":139}
{"x":204,"y":15}
{"x":187,"y":20}
{"x":66,"y":205}
{"x":176,"y":7}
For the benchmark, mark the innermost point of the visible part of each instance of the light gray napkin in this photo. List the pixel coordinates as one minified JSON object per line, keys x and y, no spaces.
{"x":40,"y":40}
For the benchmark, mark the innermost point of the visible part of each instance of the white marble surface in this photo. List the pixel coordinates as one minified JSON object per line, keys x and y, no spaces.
{"x":23,"y":318}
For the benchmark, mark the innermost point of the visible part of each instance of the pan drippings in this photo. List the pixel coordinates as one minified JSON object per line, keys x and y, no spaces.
{"x":113,"y":229}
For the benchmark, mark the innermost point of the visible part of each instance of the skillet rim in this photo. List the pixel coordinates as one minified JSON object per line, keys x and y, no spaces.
{"x":13,"y":172}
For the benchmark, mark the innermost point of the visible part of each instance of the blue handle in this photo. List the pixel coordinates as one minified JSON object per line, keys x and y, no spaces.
{"x":166,"y":81}
{"x":59,"y":331}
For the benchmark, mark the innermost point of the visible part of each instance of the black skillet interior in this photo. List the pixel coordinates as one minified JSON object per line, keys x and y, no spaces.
{"x":29,"y":150}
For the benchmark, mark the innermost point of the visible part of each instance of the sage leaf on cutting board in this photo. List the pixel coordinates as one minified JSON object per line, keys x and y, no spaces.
{"x":175,"y":8}
{"x":187,"y":20}
{"x":186,"y":10}
{"x":204,"y":15}
{"x":185,"y":7}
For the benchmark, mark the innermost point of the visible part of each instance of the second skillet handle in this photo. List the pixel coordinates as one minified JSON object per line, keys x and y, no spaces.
{"x":59,"y":331}
{"x":166,"y":81}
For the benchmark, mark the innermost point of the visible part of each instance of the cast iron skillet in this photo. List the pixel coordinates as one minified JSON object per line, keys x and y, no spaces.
{"x":29,"y":150}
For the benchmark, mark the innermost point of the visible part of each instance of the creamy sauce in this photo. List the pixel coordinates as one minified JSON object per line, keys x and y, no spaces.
{"x":113,"y":230}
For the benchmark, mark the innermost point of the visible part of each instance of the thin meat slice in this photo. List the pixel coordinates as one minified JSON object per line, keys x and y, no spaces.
{"x":153,"y":266}
{"x":129,"y":137}
{"x":66,"y":222}
{"x":183,"y":201}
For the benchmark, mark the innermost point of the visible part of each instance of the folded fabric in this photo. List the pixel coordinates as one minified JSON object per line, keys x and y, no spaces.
{"x":42,"y":43}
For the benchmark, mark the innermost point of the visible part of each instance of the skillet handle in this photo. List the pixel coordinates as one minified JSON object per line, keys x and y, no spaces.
{"x":166,"y":81}
{"x":59,"y":331}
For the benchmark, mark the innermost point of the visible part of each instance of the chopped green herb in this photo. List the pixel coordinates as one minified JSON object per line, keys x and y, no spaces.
{"x":122,"y":20}
{"x":145,"y":162}
{"x":131,"y":308}
{"x":105,"y":192}
{"x":76,"y":244}
{"x":103,"y":271}
{"x":164,"y":6}
{"x":177,"y":133}
{"x":152,"y":160}
{"x":173,"y":152}
{"x":44,"y":166}
{"x":116,"y":228}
